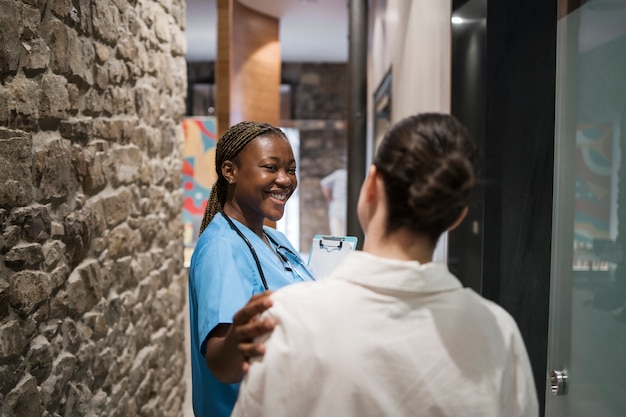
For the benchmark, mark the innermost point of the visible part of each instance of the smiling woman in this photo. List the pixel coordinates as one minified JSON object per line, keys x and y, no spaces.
{"x":262,"y":178}
{"x":237,"y":257}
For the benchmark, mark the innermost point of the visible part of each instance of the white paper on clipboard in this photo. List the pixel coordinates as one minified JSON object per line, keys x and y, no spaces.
{"x":327,"y":252}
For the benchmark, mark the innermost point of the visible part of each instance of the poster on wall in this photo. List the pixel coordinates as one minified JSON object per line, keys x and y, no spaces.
{"x":382,"y":111}
{"x":198,"y":176}
{"x":592,"y":204}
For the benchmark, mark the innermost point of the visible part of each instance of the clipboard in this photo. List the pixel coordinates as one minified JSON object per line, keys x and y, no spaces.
{"x":327,"y":252}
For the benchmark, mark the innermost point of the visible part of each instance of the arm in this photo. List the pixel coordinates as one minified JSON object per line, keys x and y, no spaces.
{"x":230,"y":345}
{"x":328,"y":195}
{"x":326,"y":185}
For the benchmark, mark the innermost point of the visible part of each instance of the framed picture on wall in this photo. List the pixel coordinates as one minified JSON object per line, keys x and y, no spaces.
{"x":382,"y":109}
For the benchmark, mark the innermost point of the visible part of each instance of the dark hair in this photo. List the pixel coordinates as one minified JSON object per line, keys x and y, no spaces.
{"x":228,"y":148}
{"x":428,"y":163}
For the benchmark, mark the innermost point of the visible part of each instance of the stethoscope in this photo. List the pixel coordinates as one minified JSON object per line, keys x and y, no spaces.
{"x":277,"y":245}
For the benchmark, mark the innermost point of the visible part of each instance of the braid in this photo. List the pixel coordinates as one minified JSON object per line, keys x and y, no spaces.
{"x":214,"y":204}
{"x":228,"y":147}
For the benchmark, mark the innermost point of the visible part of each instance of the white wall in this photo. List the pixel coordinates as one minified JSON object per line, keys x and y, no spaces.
{"x":413,"y":38}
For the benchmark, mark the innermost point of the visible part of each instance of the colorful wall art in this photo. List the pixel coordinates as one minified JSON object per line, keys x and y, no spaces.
{"x":593,"y":172}
{"x":198,"y":175}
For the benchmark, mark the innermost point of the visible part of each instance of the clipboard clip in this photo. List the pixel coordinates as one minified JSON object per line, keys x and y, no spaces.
{"x":337,"y":243}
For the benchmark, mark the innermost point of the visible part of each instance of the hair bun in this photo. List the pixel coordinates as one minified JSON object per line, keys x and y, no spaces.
{"x":428,"y":167}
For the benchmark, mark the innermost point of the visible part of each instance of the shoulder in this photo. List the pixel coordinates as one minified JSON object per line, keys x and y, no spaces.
{"x":218,"y":239}
{"x":498,"y":311}
{"x":293,"y":291}
{"x":308,"y":296}
{"x":303,"y":311}
{"x":216,"y":231}
{"x":278,"y":236}
{"x":328,"y":178}
{"x":503,"y":318}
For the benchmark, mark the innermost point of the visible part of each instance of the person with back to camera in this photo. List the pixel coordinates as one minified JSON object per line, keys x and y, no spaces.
{"x":334,"y":189}
{"x":390,"y":332}
{"x":237,"y":259}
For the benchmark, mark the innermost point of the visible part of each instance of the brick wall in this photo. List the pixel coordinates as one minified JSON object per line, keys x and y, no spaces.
{"x":92,"y":286}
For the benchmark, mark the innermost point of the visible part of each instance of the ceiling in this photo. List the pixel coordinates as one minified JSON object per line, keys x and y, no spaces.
{"x":317,"y":30}
{"x":310,"y":30}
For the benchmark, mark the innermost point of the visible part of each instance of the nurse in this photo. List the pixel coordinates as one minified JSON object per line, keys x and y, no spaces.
{"x":236,"y":257}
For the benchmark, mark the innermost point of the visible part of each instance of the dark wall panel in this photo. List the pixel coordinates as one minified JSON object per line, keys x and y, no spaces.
{"x":503,"y":89}
{"x":469,"y":60}
{"x":519,"y":155}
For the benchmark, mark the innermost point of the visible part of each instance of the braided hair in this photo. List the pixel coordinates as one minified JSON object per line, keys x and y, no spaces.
{"x":228,"y":148}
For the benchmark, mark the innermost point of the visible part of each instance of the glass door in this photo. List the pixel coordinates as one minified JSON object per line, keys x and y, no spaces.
{"x":587,"y":334}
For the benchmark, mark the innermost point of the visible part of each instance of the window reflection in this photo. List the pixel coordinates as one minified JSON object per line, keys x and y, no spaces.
{"x":598,"y":292}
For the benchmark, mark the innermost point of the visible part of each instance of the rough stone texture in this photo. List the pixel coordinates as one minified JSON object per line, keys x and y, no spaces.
{"x":319,"y":90}
{"x":92,"y":285}
{"x":16,"y":186}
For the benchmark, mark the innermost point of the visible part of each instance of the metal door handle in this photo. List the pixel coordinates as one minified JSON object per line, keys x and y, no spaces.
{"x":558,"y":382}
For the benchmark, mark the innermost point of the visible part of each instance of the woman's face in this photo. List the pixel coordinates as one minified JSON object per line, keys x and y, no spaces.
{"x":265,"y":178}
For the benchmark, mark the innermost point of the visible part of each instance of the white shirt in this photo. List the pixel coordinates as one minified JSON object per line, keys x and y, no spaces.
{"x":383,"y":337}
{"x":337,"y":183}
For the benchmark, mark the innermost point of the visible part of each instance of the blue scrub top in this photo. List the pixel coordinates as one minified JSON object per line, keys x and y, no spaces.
{"x":222,"y":277}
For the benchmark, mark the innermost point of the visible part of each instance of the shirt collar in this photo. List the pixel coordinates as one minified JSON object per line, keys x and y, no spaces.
{"x":369,"y":270}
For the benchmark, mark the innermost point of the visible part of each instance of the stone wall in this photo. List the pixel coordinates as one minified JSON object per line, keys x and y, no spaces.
{"x":319,"y":90}
{"x":92,"y":286}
